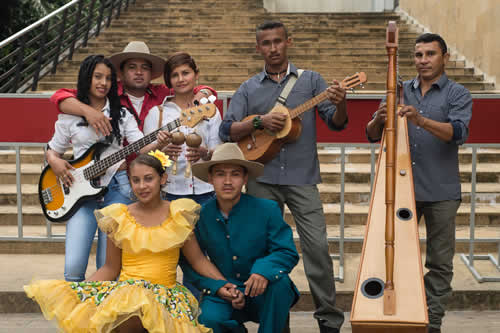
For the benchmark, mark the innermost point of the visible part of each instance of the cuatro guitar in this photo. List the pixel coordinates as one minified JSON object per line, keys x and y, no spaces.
{"x":262,"y":145}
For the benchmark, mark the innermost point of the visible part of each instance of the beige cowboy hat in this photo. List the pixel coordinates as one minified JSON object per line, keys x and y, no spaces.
{"x":227,"y":153}
{"x":139,"y":50}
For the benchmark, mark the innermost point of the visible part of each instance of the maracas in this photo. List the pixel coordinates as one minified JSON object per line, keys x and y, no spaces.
{"x":177,"y":139}
{"x":193,"y":140}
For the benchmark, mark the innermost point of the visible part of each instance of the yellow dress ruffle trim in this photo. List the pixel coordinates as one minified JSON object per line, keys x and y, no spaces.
{"x":75,"y":316}
{"x":127,"y":234}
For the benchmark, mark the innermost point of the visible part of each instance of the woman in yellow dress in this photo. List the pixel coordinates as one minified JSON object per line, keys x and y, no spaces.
{"x":136,"y":289}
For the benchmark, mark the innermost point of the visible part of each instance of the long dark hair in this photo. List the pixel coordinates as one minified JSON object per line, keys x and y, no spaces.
{"x":85,"y":81}
{"x":150,"y":161}
{"x":176,"y":60}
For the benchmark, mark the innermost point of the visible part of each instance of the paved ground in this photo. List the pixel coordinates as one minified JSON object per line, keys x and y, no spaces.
{"x":23,"y":268}
{"x":464,"y":321}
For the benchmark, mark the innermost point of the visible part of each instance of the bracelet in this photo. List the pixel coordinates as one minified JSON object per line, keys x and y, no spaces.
{"x":257,"y":123}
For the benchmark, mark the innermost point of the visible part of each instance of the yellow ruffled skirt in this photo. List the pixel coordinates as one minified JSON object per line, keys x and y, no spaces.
{"x":101,"y":306}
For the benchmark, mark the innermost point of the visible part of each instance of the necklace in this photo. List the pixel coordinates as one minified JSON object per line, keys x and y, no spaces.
{"x":277,"y":73}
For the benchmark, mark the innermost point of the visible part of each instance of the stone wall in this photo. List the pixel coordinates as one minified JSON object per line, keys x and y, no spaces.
{"x":471,"y":27}
{"x":328,"y":6}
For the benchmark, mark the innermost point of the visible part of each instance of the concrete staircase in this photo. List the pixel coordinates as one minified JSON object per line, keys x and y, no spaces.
{"x":220,"y":35}
{"x":40,"y":257}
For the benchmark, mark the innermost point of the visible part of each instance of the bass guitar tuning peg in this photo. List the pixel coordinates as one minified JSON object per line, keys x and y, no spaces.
{"x":212,"y":98}
{"x":203,"y":100}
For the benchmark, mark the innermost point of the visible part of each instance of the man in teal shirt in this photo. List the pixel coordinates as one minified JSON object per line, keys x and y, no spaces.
{"x":249,"y":242}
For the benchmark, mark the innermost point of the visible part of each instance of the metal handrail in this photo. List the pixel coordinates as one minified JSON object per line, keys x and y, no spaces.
{"x":38,"y":53}
{"x":37,"y":23}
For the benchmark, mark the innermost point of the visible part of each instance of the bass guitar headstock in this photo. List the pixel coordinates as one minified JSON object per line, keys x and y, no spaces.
{"x":353,"y":81}
{"x":192,"y":116}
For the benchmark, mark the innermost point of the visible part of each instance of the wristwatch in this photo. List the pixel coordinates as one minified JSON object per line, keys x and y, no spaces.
{"x":257,"y":123}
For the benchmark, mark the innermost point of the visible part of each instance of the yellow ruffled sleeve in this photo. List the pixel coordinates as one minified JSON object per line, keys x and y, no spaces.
{"x":127,"y":234}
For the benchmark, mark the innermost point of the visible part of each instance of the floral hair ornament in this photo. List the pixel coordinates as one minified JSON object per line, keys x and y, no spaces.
{"x":164,"y":160}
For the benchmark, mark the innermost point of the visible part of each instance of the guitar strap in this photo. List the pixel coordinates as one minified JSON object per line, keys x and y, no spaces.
{"x":288,"y":87}
{"x":160,"y":118}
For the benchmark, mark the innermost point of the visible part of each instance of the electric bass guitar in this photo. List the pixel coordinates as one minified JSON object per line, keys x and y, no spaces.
{"x":262,"y":145}
{"x":59,"y":202}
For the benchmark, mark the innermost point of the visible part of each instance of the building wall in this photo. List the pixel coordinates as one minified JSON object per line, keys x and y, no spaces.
{"x":471,"y":27}
{"x":328,"y":6}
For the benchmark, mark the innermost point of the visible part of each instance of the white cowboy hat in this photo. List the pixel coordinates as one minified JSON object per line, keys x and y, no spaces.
{"x":227,"y":153}
{"x":139,"y":50}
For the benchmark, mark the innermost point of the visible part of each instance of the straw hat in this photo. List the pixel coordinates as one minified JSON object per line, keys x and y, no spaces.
{"x":139,"y":50}
{"x":227,"y":153}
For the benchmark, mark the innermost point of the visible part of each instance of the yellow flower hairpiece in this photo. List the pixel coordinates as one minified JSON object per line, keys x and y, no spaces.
{"x":164,"y":160}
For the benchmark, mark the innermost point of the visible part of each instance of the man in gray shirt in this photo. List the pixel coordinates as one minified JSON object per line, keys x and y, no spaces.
{"x":292,"y":176}
{"x":439,"y":111}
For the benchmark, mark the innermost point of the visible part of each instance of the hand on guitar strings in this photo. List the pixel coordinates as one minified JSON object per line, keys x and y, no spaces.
{"x":62,"y":170}
{"x":336,"y":94}
{"x":273,"y":121}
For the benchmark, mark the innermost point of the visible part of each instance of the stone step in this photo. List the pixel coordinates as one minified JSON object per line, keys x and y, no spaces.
{"x":330,"y":173}
{"x":330,"y":154}
{"x":486,"y":193}
{"x":487,"y":239}
{"x":355,"y":214}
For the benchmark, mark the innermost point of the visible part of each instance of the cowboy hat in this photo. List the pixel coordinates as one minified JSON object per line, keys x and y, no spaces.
{"x":139,"y":50}
{"x":227,"y":153}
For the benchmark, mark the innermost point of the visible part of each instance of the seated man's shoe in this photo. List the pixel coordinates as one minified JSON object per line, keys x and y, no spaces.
{"x":325,"y":329}
{"x":239,"y":329}
{"x":433,"y":330}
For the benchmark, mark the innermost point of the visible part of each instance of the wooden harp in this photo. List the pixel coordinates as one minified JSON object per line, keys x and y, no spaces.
{"x":389,"y":295}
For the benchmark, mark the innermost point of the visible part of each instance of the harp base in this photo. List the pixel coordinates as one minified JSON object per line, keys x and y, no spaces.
{"x":381,"y":327}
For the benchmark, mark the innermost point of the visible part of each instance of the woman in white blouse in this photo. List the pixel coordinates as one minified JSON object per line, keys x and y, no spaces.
{"x":96,"y":87}
{"x":181,"y":74}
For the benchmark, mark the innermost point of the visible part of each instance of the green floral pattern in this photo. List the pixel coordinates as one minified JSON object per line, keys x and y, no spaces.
{"x":178,"y":301}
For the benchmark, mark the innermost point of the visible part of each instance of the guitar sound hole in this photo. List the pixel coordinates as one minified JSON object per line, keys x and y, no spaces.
{"x":372,"y":288}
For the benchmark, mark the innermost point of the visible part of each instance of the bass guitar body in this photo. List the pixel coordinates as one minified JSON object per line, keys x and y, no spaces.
{"x":60,"y":202}
{"x":263,"y":145}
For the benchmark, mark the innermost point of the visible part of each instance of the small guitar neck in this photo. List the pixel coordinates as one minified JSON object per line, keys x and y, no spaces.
{"x":102,"y":165}
{"x":348,"y":83}
{"x":308,"y":105}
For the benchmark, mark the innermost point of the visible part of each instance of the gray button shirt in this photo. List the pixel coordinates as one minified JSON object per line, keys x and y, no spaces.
{"x":297,"y":162}
{"x":435,"y":163}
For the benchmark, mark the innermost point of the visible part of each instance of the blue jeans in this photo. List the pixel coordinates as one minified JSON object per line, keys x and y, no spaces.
{"x":198,"y":198}
{"x":81,"y":229}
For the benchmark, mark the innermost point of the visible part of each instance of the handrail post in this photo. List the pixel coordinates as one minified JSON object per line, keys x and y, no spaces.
{"x":19,"y":63}
{"x":55,"y":62}
{"x":342,"y":212}
{"x":111,"y":3}
{"x":101,"y":15}
{"x":126,"y":5}
{"x":89,"y":23}
{"x":472,"y":218}
{"x":41,"y":52}
{"x":19,"y":193}
{"x":119,"y":9}
{"x":75,"y":30}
